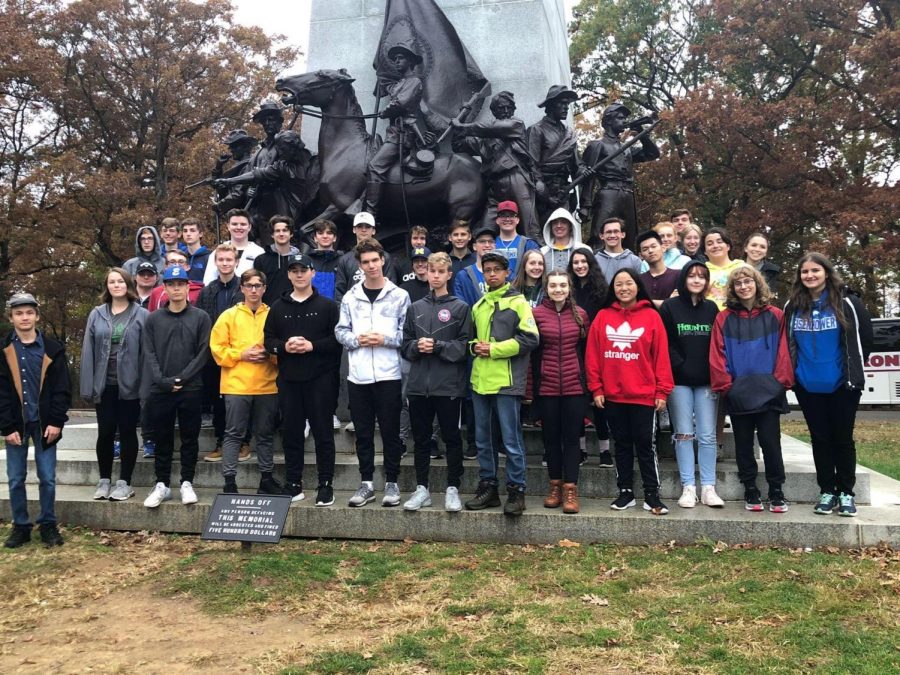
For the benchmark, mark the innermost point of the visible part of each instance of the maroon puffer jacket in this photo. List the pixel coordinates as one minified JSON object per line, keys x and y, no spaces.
{"x":561,"y":370}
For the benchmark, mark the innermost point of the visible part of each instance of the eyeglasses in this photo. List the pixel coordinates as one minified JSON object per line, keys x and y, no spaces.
{"x":508,"y":216}
{"x":254,"y":287}
{"x":740,"y":283}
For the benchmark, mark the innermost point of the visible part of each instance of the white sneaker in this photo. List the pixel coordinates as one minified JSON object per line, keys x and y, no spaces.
{"x":306,"y":430}
{"x":350,"y":427}
{"x":421,"y":497}
{"x":709,"y":497}
{"x":121,"y":492}
{"x":335,"y":422}
{"x":188,"y":496}
{"x":159,"y":494}
{"x":688,"y":499}
{"x":103,"y":487}
{"x":451,"y":501}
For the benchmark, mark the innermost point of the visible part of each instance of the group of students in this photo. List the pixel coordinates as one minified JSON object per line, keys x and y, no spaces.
{"x":572,"y":333}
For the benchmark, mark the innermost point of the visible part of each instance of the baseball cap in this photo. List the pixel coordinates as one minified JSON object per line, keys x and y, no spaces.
{"x":420,"y":253}
{"x":146,"y":267}
{"x":507,"y":206}
{"x":299,"y":260}
{"x":175,"y":274}
{"x":484,"y":229}
{"x":363,"y":218}
{"x":19,"y":299}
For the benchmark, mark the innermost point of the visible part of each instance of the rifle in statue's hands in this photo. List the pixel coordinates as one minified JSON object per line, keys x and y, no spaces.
{"x":592,"y":171}
{"x":465,"y":110}
{"x":209,"y":180}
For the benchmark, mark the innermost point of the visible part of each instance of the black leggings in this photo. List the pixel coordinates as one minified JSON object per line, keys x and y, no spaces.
{"x":563,"y":417}
{"x":115,"y":414}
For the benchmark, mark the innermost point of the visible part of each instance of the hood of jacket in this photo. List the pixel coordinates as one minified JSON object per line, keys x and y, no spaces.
{"x":575,"y":240}
{"x":683,"y":293}
{"x":602,"y":253}
{"x":154,"y":255}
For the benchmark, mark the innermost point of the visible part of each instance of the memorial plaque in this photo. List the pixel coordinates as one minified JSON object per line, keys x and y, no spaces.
{"x":251,"y":518}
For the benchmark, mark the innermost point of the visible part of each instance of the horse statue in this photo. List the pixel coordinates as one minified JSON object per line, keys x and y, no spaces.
{"x":455,"y":188}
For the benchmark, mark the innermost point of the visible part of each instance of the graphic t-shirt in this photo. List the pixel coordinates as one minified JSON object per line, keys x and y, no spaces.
{"x":119,"y":321}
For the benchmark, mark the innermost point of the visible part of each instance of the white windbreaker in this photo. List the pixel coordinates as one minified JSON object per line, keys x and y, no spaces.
{"x":386,"y":316}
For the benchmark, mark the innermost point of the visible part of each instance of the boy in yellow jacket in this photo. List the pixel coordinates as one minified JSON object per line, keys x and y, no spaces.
{"x":248,"y":382}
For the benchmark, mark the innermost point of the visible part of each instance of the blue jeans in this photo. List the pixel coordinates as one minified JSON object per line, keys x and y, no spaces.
{"x":16,"y":470}
{"x":690,"y":406}
{"x":506,"y":408}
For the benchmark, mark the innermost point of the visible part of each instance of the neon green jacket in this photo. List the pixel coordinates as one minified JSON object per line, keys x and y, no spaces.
{"x":503,"y":318}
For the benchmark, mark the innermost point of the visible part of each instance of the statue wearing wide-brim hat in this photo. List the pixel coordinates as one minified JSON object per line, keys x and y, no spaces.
{"x":269,"y":108}
{"x":239,"y":137}
{"x":616,"y":107}
{"x":558,"y":91}
{"x":408,"y":47}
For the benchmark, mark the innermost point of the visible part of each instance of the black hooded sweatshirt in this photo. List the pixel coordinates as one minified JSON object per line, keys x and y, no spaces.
{"x":314,"y":319}
{"x":689,"y":328}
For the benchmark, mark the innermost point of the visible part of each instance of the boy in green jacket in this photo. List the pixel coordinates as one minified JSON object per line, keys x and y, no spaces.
{"x":505,"y":332}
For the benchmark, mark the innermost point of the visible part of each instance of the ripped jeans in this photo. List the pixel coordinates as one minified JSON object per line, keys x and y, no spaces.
{"x":690,"y":407}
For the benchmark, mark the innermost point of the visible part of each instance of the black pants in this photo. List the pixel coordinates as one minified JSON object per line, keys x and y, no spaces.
{"x":831,"y":418}
{"x":311,"y":400}
{"x":422,"y":410}
{"x":212,"y":380}
{"x":381,"y":401}
{"x":632,"y":428}
{"x":767,"y":425}
{"x":563,"y":419}
{"x":163,"y":409}
{"x":114,"y":414}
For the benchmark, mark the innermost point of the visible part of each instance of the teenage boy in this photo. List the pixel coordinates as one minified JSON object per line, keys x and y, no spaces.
{"x":300,"y":332}
{"x":247,"y":382}
{"x":612,"y":257}
{"x":175,"y":347}
{"x":220,"y":294}
{"x":681,"y":218}
{"x":371,"y":329}
{"x":175,"y":258}
{"x":418,"y":239}
{"x":247,"y":251}
{"x":35,"y":395}
{"x":273,"y":263}
{"x":563,"y":235}
{"x":659,"y":280}
{"x":469,"y":285}
{"x":672,"y":256}
{"x":170,"y":236}
{"x":510,"y":243}
{"x":436,"y":336}
{"x":505,"y":333}
{"x":325,"y":257}
{"x":348,"y":270}
{"x":145,"y":281}
{"x":146,"y":249}
{"x":460,"y":237}
{"x":198,"y":254}
{"x":417,"y":286}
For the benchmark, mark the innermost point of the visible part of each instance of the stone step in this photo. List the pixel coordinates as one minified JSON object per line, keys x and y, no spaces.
{"x":80,"y":468}
{"x":84,"y":435}
{"x":596,"y":523}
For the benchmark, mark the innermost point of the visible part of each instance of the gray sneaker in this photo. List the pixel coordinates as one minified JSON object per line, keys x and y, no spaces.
{"x":451,"y":501}
{"x":363,"y":495}
{"x":421,"y":497}
{"x":391,"y":495}
{"x":121,"y":492}
{"x":102,"y":491}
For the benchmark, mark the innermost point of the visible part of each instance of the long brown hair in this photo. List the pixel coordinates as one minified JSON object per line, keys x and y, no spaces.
{"x":130,"y":292}
{"x":521,"y":280}
{"x":763,"y":294}
{"x":801,"y":300}
{"x":582,"y":331}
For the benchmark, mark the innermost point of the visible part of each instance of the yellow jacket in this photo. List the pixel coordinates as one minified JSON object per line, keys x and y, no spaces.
{"x":236,"y":330}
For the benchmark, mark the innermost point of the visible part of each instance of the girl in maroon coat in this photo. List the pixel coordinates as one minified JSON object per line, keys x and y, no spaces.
{"x":561,"y":387}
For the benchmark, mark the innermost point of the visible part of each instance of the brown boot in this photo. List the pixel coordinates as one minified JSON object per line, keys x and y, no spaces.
{"x":570,"y":498}
{"x":554,"y":499}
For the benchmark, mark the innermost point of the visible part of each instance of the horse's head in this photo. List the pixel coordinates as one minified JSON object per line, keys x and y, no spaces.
{"x":314,"y":89}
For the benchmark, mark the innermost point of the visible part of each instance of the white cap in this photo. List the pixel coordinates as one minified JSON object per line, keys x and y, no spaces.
{"x":363,"y":218}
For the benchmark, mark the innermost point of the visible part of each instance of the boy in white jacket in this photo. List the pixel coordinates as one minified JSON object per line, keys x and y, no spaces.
{"x":371,"y":329}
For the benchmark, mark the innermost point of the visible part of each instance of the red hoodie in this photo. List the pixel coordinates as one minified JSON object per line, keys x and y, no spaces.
{"x":628,"y":355}
{"x":159,"y":297}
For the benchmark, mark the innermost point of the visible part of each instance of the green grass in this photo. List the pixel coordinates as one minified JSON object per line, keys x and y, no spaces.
{"x":877,"y":444}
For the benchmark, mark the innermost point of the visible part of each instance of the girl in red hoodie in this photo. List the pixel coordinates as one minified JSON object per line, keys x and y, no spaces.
{"x":629,"y":375}
{"x":561,"y":389}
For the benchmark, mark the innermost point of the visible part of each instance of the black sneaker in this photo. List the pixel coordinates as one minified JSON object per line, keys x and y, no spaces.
{"x":583,"y":458}
{"x":269,"y":486}
{"x":437,"y":454}
{"x":654,"y":504}
{"x":777,"y":502}
{"x":294,"y":491}
{"x":625,"y":500}
{"x":486,"y":496}
{"x":752,"y":499}
{"x":324,"y":495}
{"x":20,"y":535}
{"x":471,"y":452}
{"x":50,"y":535}
{"x":515,"y":502}
{"x":606,"y":460}
{"x":230,"y":486}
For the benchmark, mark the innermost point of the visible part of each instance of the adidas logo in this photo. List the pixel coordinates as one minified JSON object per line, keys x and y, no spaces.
{"x":623,"y":337}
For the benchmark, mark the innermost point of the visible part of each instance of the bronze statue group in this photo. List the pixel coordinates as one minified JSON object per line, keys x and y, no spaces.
{"x":497,"y":330}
